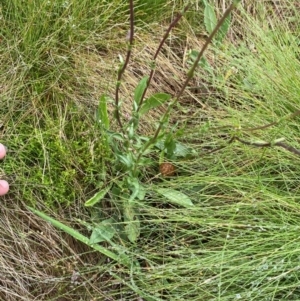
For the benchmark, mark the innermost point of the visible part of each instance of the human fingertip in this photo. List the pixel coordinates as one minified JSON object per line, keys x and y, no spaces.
{"x":4,"y":187}
{"x":3,"y":151}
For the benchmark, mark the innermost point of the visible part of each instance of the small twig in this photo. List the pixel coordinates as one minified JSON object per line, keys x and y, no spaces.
{"x":289,"y":148}
{"x":269,"y":144}
{"x":297,"y":112}
{"x":123,"y":68}
{"x":266,"y":144}
{"x":221,"y":147}
{"x":261,"y":144}
{"x":257,"y":144}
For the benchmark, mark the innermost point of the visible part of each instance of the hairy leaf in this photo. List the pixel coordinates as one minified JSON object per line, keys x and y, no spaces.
{"x":176,"y":197}
{"x":139,"y":90}
{"x":154,"y":101}
{"x":102,"y":232}
{"x":132,"y":230}
{"x":121,"y":258}
{"x":210,"y":19}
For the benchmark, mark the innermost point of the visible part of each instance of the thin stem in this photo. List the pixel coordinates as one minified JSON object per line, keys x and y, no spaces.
{"x":171,"y":26}
{"x":123,"y":67}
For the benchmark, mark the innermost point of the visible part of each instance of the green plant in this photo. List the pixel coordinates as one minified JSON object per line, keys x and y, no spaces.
{"x":133,"y":152}
{"x":129,"y":152}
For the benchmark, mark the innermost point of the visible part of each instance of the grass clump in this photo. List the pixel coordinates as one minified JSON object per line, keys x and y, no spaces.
{"x":42,"y":96}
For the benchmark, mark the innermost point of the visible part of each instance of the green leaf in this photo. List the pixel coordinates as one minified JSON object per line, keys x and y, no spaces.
{"x":133,"y":230}
{"x":210,"y":19}
{"x":203,"y":63}
{"x":136,"y":188}
{"x":102,"y":232}
{"x":193,"y":54}
{"x":97,"y":197}
{"x":236,"y":2}
{"x":139,"y":90}
{"x":142,"y":193}
{"x":126,"y":160}
{"x":170,"y":146}
{"x":182,"y":150}
{"x":176,"y":197}
{"x":102,"y":113}
{"x":154,"y":101}
{"x":129,"y":212}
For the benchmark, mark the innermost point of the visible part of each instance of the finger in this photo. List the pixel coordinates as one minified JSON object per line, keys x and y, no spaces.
{"x":4,"y":187}
{"x":2,"y":151}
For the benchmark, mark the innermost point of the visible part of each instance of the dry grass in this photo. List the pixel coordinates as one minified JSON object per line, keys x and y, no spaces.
{"x":38,"y":262}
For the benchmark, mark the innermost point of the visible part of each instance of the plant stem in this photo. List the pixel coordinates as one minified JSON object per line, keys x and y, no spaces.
{"x":123,"y":67}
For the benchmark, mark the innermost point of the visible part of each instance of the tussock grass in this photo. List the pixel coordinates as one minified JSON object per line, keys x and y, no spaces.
{"x":239,"y":241}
